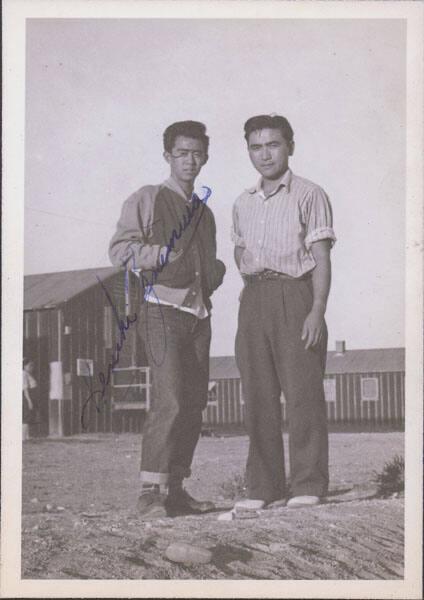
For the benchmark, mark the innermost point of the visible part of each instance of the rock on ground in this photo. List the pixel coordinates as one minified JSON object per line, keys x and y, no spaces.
{"x":98,"y":535}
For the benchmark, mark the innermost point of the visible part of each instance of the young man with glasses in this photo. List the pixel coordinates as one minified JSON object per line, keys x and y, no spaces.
{"x":166,"y":232}
{"x":283,"y":232}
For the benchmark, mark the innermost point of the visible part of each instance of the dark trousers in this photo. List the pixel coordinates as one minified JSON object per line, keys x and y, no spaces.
{"x":272,"y":358}
{"x":177,"y":345}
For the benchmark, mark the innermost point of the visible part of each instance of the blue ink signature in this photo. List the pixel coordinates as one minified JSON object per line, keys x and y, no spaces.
{"x":98,"y":395}
{"x":147,"y":283}
{"x":150,"y":291}
{"x":186,"y":220}
{"x":191,"y":209}
{"x":104,"y":378}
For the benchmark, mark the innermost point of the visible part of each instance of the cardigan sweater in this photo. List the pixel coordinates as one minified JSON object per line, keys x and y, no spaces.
{"x":158,"y":217}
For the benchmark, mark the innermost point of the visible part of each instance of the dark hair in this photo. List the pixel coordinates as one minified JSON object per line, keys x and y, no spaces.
{"x":190,"y":129}
{"x":269,"y":122}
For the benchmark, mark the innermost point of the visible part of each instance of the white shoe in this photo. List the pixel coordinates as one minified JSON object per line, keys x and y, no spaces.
{"x":301,"y":501}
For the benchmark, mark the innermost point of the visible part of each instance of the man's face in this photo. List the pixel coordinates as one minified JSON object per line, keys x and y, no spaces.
{"x":269,"y":152}
{"x":186,"y":159}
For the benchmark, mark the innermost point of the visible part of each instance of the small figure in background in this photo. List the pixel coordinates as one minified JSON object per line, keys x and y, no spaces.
{"x":28,"y":408}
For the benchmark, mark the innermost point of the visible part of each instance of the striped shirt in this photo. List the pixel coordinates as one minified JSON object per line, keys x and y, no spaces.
{"x":277,"y":230}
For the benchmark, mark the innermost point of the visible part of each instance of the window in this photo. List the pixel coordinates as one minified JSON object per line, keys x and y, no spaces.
{"x":130,"y":376}
{"x":131,"y":388}
{"x":85,"y":367}
{"x":330,"y":390}
{"x":369,"y":388}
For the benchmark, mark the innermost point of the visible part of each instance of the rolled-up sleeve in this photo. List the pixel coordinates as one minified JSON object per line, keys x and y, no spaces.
{"x":317,"y":217}
{"x":130,"y":247}
{"x":235,"y":229}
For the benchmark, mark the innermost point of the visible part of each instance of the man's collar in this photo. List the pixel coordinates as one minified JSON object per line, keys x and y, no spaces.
{"x":173,"y":185}
{"x":284,"y":181}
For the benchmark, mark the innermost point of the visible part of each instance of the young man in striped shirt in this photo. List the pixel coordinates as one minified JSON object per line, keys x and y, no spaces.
{"x":283,"y":232}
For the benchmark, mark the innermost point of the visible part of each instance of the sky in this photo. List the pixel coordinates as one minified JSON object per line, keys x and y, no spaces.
{"x":100,"y":92}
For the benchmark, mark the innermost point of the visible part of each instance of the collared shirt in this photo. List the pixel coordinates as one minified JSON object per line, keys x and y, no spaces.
{"x":173,"y":184}
{"x":277,"y":230}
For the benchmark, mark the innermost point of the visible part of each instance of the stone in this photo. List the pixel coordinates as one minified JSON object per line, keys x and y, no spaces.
{"x":227,"y":516}
{"x":246,"y":514}
{"x":182,"y":552}
{"x":249,"y":504}
{"x":277,"y":547}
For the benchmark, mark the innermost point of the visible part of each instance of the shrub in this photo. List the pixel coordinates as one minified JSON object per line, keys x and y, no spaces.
{"x":391,"y":480}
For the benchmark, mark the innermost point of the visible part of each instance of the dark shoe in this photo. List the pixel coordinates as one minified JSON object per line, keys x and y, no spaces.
{"x":179,"y":502}
{"x":151,"y":505}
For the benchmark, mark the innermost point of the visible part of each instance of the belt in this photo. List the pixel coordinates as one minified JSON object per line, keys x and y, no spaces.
{"x":269,"y":275}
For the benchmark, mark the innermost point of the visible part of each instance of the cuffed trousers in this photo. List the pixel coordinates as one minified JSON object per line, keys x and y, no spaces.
{"x":177,"y":345}
{"x":272,"y":358}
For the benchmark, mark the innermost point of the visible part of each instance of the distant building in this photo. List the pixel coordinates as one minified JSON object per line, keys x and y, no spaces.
{"x":70,"y":332}
{"x":71,"y":329}
{"x":360,"y":386}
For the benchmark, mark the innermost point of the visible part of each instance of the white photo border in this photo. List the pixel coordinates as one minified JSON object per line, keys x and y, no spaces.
{"x":15,"y":12}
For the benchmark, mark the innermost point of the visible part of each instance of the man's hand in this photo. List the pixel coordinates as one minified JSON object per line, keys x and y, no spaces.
{"x":238,"y":253}
{"x":312,"y":327}
{"x":168,"y":257}
{"x":174,"y":255}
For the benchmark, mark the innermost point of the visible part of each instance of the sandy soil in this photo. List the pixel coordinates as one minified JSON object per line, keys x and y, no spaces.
{"x":97,"y":534}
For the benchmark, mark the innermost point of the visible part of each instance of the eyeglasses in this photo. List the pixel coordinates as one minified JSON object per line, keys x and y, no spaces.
{"x":186,"y":153}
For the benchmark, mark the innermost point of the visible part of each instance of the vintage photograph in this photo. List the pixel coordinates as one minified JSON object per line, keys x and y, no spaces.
{"x":213,"y":331}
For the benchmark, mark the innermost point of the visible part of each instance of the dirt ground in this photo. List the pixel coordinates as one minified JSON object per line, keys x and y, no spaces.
{"x":80,"y":522}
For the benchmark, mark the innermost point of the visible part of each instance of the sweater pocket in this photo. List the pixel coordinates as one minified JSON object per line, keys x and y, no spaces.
{"x":178,"y":273}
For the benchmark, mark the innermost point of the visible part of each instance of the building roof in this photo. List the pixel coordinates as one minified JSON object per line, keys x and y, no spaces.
{"x":47,"y":290}
{"x":370,"y":360}
{"x":373,"y":360}
{"x":223,"y":367}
